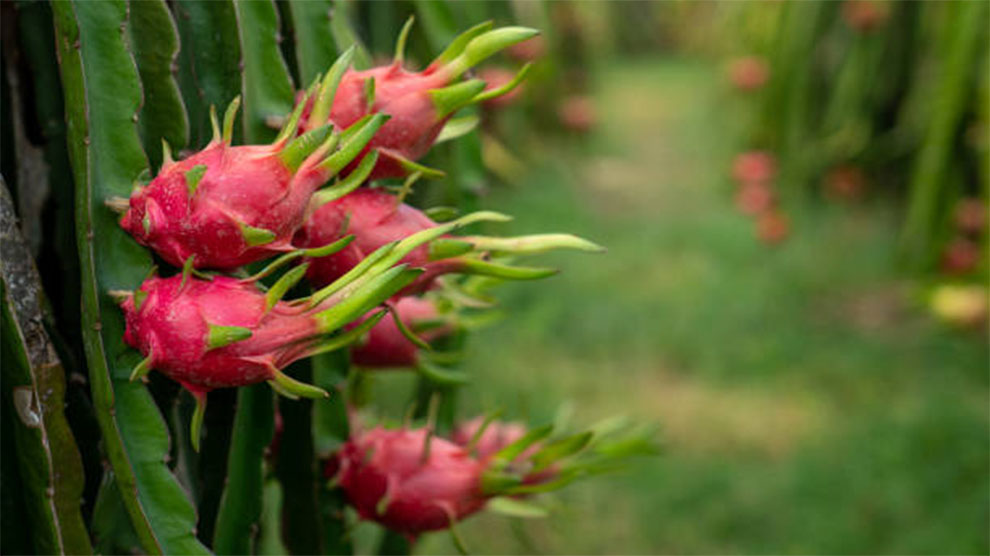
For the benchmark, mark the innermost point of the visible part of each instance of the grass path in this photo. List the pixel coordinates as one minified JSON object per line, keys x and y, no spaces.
{"x":809,"y":404}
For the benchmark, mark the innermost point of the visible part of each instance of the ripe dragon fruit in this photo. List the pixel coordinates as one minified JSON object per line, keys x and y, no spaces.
{"x":227,"y":206}
{"x":376,"y":217}
{"x":387,"y":346}
{"x":226,"y":332}
{"x":413,"y":482}
{"x":408,"y":480}
{"x":419,"y":103}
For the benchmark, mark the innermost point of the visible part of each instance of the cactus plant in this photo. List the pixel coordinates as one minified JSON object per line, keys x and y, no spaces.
{"x":236,"y":212}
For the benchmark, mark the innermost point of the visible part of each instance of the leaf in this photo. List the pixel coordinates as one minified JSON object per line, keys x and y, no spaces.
{"x":51,"y":474}
{"x":267,"y":88}
{"x":154,"y":42}
{"x":315,"y":47}
{"x":208,"y":61}
{"x":241,"y":504}
{"x":102,"y":94}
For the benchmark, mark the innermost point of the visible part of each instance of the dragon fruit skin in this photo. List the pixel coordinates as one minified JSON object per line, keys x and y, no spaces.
{"x":375,"y":218}
{"x":497,"y":435}
{"x":387,"y":347}
{"x":389,"y":478}
{"x":246,"y":185}
{"x":172,"y":328}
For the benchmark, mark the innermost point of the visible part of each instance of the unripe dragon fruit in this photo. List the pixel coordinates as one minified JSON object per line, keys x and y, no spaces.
{"x":408,"y":480}
{"x":419,"y":103}
{"x":227,"y":206}
{"x":387,"y":346}
{"x":376,"y":218}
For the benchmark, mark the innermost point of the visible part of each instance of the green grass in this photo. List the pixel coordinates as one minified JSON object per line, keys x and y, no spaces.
{"x":808,"y":401}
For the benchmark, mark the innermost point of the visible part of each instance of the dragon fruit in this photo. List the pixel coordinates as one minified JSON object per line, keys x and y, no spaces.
{"x":419,"y":103}
{"x":754,"y":166}
{"x":226,"y":332}
{"x":497,"y":78}
{"x":413,"y":482}
{"x":748,"y":73}
{"x":970,"y":215}
{"x":408,"y":480}
{"x":494,"y":435}
{"x":387,"y":346}
{"x":227,"y":206}
{"x":754,"y":198}
{"x":376,"y":218}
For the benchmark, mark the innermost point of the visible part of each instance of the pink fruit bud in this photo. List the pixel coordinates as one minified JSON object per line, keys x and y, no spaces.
{"x":754,"y":167}
{"x":386,"y":346}
{"x":749,"y":73}
{"x":407,"y":482}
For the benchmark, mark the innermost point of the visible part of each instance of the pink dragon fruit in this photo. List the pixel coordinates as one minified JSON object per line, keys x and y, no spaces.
{"x":387,"y":346}
{"x":408,"y":480}
{"x":419,"y":103}
{"x":227,"y":206}
{"x":376,"y":218}
{"x":495,"y":436}
{"x":225,"y":332}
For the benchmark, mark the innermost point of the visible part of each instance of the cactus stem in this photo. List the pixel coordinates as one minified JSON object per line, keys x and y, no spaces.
{"x":400,"y":43}
{"x":228,"y":119}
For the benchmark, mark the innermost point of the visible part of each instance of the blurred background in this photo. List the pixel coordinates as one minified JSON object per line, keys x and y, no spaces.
{"x":794,"y":199}
{"x":793,"y":196}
